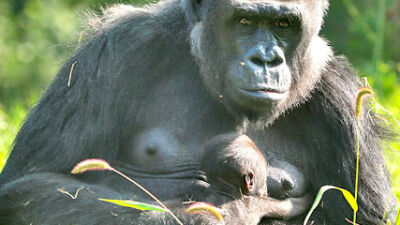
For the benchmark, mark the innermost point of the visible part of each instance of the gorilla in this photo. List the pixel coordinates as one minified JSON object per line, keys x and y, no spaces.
{"x":236,"y":168}
{"x":235,"y":165}
{"x":151,"y":86}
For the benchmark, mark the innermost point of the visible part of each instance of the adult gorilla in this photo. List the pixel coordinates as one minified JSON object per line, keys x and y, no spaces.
{"x":152,"y":85}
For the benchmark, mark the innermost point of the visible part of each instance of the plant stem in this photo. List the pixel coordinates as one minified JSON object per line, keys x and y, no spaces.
{"x":147,"y":192}
{"x":357,"y":170}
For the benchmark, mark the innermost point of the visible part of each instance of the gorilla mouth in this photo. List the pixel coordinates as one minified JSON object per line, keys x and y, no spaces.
{"x":265,"y":93}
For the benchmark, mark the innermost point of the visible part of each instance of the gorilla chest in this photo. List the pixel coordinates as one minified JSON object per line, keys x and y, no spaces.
{"x":178,"y":116}
{"x":174,"y":121}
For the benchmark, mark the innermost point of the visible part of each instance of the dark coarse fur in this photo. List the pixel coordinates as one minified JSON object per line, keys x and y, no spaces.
{"x":136,"y":78}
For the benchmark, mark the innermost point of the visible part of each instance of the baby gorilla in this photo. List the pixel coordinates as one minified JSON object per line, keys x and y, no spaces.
{"x":237,"y":171}
{"x":234,"y":165}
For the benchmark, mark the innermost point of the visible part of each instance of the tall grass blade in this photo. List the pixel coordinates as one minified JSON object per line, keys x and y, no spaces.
{"x":360,"y":21}
{"x":133,"y":204}
{"x":347,"y":195}
{"x":99,"y":164}
{"x":380,"y":33}
{"x":362,"y":93}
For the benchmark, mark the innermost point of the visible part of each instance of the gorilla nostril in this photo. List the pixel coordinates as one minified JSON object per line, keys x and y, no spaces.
{"x":257,"y":61}
{"x":275,"y":62}
{"x":262,"y":62}
{"x":287,"y":185}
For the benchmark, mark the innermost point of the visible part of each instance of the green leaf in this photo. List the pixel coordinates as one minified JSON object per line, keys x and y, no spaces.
{"x":316,"y":202}
{"x":398,"y":217}
{"x":136,"y":205}
{"x":347,"y":195}
{"x":89,"y":165}
{"x":349,"y":198}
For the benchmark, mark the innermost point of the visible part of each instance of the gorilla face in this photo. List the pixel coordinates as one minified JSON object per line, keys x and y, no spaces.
{"x":251,"y":53}
{"x":252,"y":45}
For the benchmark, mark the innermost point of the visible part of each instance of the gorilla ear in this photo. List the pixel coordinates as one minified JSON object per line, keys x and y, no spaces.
{"x":193,"y":10}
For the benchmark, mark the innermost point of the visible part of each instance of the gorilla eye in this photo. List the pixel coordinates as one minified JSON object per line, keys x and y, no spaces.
{"x":244,"y":21}
{"x":282,"y":24}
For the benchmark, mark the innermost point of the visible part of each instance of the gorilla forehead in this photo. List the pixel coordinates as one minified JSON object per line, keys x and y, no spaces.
{"x":260,"y":4}
{"x":268,"y":8}
{"x":311,"y":12}
{"x":286,"y":2}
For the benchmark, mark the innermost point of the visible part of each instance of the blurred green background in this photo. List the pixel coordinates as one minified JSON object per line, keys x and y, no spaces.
{"x":36,"y":36}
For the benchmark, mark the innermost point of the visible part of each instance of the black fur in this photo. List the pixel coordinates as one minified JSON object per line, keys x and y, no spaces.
{"x":136,"y":88}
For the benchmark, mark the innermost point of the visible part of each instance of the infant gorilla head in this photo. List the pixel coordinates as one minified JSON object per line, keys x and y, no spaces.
{"x":234,"y":164}
{"x":236,"y":168}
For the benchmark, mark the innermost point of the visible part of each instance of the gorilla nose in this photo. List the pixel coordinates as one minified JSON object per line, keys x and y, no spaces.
{"x":260,"y":57}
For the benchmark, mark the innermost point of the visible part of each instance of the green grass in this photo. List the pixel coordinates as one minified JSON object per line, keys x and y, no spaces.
{"x":392,"y":155}
{"x":10,"y":122}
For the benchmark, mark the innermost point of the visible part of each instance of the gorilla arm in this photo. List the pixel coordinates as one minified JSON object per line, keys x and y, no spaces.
{"x":81,"y":207}
{"x":32,"y":195}
{"x":87,"y":209}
